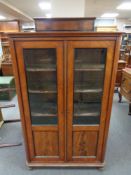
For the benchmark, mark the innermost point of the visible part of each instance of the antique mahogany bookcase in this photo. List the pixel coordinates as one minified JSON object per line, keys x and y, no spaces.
{"x":65,"y":84}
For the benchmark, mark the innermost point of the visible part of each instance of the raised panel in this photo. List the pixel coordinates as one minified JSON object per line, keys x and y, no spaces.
{"x":64,"y":24}
{"x":85,"y":143}
{"x":46,"y":143}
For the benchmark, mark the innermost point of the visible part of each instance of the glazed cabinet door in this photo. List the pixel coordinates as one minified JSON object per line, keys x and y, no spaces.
{"x":89,"y":75}
{"x":41,"y":82}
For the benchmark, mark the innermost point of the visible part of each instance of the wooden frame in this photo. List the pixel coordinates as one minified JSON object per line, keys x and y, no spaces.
{"x":64,"y":24}
{"x":65,"y":42}
{"x":23,"y":82}
{"x":109,"y":45}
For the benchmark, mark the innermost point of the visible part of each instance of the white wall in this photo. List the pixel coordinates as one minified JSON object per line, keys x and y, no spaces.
{"x":68,"y":8}
{"x":105,"y":22}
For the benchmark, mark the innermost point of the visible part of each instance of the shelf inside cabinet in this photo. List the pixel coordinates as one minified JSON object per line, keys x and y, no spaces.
{"x":88,"y":91}
{"x":7,"y":89}
{"x":86,"y":114}
{"x":41,"y":91}
{"x":43,"y":114}
{"x":43,"y":110}
{"x":40,"y":69}
{"x":39,"y":85}
{"x":89,"y":67}
{"x":87,"y":109}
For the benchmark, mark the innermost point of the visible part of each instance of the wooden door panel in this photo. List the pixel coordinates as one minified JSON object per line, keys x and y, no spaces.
{"x":87,"y":104}
{"x":46,"y":143}
{"x":85,"y":144}
{"x":42,"y":98}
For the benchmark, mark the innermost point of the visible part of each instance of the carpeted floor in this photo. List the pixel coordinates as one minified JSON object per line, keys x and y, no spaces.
{"x":118,"y":157}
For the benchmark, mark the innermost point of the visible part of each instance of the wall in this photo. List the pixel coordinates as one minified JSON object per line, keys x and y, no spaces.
{"x":68,"y":8}
{"x":105,"y":22}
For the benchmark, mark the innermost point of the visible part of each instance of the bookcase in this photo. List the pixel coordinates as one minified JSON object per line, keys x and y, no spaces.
{"x":6,"y":27}
{"x":65,"y":84}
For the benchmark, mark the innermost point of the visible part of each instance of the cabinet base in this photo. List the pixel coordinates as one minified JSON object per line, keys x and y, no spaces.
{"x":66,"y":165}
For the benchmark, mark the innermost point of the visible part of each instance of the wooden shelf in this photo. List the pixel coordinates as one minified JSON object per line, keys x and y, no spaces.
{"x":87,"y":67}
{"x":6,"y":89}
{"x":77,"y":68}
{"x":43,"y":114}
{"x":76,"y":91}
{"x":89,"y":109}
{"x":48,"y":109}
{"x":87,"y":114}
{"x":40,"y":69}
{"x":41,"y":91}
{"x":39,"y":85}
{"x":88,"y":91}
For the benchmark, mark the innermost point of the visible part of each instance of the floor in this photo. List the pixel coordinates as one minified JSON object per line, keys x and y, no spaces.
{"x":118,"y":157}
{"x":11,"y":113}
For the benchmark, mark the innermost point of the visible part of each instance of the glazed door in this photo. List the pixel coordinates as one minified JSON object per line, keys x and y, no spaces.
{"x":89,"y":75}
{"x":41,"y":75}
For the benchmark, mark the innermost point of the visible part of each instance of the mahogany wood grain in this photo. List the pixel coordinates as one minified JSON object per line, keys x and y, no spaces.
{"x":111,"y":93}
{"x":106,"y":92}
{"x":85,"y":128}
{"x":20,"y":102}
{"x":42,"y":139}
{"x":65,"y":96}
{"x":109,"y":61}
{"x":45,"y":128}
{"x":53,"y":36}
{"x":7,"y":69}
{"x":59,"y":47}
{"x":65,"y":144}
{"x":67,"y":165}
{"x":84,"y":143}
{"x":9,"y":26}
{"x":121,"y":65}
{"x":125,"y":88}
{"x":64,"y":24}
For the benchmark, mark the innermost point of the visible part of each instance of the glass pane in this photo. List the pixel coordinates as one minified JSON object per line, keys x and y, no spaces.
{"x":89,"y":70}
{"x":41,"y":81}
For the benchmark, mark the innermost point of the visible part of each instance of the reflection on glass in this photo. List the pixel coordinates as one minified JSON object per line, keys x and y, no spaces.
{"x":89,"y":70}
{"x":41,"y":80}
